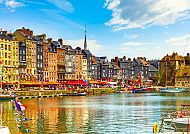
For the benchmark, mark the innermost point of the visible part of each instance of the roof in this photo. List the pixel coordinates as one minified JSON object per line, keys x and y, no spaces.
{"x":55,"y":43}
{"x":110,"y":65}
{"x":173,"y":57}
{"x":4,"y":36}
{"x":145,"y":63}
{"x":152,"y":68}
{"x":86,"y":52}
{"x":94,"y":60}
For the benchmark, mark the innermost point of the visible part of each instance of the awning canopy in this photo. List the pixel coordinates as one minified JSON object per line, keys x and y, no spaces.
{"x":112,"y":83}
{"x":93,"y":82}
{"x":76,"y":82}
{"x":30,"y":83}
{"x":103,"y":82}
{"x":52,"y":83}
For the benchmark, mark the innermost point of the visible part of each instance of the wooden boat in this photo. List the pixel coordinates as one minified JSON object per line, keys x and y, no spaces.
{"x":142,"y":90}
{"x":6,"y":97}
{"x":76,"y":94}
{"x":82,"y":94}
{"x":172,"y":90}
{"x":179,"y":120}
{"x":122,"y":91}
{"x":4,"y":130}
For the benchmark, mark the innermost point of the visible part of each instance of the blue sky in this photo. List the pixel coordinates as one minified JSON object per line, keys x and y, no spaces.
{"x":114,"y":27}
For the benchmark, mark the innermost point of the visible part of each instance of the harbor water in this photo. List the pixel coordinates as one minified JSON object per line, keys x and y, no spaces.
{"x":115,"y":113}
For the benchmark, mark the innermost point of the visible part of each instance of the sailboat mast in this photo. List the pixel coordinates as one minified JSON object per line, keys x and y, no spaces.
{"x":166,"y":75}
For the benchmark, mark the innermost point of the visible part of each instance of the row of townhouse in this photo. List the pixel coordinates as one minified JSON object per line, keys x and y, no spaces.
{"x":122,"y":68}
{"x":26,"y":57}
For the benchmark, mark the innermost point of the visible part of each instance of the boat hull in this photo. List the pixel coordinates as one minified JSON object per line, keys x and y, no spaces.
{"x":180,"y":123}
{"x":77,"y":94}
{"x":172,"y":90}
{"x":6,"y":97}
{"x":4,"y":130}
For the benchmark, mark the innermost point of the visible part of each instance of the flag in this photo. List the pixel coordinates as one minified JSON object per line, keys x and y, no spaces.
{"x":20,"y":106}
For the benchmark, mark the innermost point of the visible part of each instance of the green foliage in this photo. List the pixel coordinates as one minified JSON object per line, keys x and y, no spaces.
{"x":160,"y":77}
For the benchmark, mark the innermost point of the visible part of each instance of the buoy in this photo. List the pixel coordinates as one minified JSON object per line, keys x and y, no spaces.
{"x":27,"y":130}
{"x":155,"y":127}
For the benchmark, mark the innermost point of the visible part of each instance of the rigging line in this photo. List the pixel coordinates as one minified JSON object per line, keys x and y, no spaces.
{"x":185,"y":45}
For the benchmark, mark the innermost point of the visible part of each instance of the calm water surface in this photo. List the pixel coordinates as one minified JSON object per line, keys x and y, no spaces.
{"x":116,"y":113}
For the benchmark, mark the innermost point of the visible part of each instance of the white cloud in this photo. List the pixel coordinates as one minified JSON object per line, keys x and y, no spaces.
{"x":13,"y":4}
{"x":128,"y":14}
{"x":135,"y":44}
{"x":33,"y":2}
{"x":142,"y":49}
{"x":132,"y":44}
{"x":132,"y":36}
{"x":63,"y":4}
{"x":179,"y":41}
{"x":180,"y":44}
{"x":92,"y":45}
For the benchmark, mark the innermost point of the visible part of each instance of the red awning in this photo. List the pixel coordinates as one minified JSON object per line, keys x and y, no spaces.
{"x":103,"y":82}
{"x":76,"y":82}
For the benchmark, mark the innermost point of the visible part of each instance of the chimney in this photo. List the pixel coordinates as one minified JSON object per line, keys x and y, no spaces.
{"x":116,"y":60}
{"x":4,"y":32}
{"x":49,"y":40}
{"x":44,"y":36}
{"x":31,"y":33}
{"x":60,"y":41}
{"x":124,"y":58}
{"x":144,"y":58}
{"x":187,"y":54}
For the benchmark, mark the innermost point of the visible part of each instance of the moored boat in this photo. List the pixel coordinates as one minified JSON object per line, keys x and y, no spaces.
{"x":76,"y":94}
{"x":6,"y":97}
{"x":82,"y":94}
{"x":4,"y":130}
{"x":172,"y":90}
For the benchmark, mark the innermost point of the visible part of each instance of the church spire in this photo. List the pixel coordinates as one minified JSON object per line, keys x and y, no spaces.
{"x":85,"y":42}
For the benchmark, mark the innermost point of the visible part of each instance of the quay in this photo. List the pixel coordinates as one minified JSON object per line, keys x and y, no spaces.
{"x":29,"y":94}
{"x":59,"y":93}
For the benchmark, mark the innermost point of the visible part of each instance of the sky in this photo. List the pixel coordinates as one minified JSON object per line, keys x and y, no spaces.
{"x":131,"y":28}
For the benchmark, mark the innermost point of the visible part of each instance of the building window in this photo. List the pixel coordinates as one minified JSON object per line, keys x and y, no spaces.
{"x":9,"y":47}
{"x":24,"y":58}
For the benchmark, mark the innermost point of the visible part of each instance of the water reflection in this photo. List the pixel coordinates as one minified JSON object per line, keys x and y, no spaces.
{"x":118,"y":113}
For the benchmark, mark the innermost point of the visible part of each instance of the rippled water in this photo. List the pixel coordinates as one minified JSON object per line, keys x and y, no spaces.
{"x":116,"y":113}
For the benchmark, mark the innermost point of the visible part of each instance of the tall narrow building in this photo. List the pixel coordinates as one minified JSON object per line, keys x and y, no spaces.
{"x":85,"y":42}
{"x":88,"y":55}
